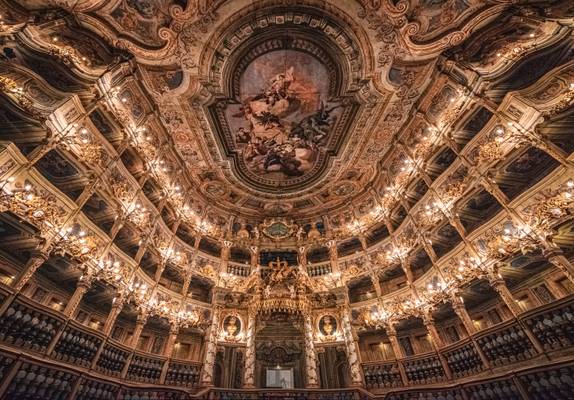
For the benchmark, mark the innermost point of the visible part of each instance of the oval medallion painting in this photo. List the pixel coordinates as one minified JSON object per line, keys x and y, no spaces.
{"x":281,"y":124}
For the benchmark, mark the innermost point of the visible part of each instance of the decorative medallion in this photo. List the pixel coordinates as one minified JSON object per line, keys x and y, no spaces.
{"x":278,"y":229}
{"x":231,"y":328}
{"x":344,"y":189}
{"x":328,"y":328}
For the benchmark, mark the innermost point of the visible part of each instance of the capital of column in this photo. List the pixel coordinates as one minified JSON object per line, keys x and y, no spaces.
{"x":86,"y":280}
{"x":500,"y":286}
{"x":36,"y":259}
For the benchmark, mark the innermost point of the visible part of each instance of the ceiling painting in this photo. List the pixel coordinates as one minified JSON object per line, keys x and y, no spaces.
{"x":284,"y":118}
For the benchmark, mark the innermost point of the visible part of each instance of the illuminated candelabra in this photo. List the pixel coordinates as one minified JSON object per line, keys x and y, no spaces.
{"x":38,"y":206}
{"x":76,"y":241}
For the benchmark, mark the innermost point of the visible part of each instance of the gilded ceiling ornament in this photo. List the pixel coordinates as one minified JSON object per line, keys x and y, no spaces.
{"x":278,"y":228}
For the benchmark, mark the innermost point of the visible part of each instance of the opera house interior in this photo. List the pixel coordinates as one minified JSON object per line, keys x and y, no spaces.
{"x":176,"y":225}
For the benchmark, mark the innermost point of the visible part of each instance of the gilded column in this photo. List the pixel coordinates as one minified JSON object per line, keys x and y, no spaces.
{"x":333,"y":255}
{"x":437,"y":343}
{"x":303,"y":257}
{"x":433,"y":332}
{"x":254,"y":260}
{"x":310,"y":356}
{"x":249,"y":380}
{"x":225,"y":252}
{"x":352,"y":350}
{"x":210,"y":351}
{"x":462,"y":313}
{"x":187,"y":279}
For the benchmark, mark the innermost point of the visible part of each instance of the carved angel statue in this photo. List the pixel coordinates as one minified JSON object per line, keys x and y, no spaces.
{"x":300,"y":233}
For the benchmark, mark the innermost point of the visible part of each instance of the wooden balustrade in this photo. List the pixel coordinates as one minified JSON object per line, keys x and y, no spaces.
{"x":145,"y":368}
{"x":552,"y":325}
{"x":112,"y":360}
{"x":285,"y":394}
{"x":22,"y":377}
{"x":238,"y":269}
{"x":90,"y":389}
{"x":29,"y":326}
{"x":382,"y":375}
{"x":76,"y":346}
{"x":183,"y":374}
{"x":424,"y":369}
{"x":41,"y":330}
{"x":33,"y":381}
{"x":506,"y":345}
{"x":319,"y":269}
{"x":503,"y":344}
{"x":463,"y":359}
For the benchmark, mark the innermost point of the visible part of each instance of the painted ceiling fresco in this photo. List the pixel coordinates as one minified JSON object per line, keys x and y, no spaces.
{"x":300,"y":108}
{"x":283,"y":120}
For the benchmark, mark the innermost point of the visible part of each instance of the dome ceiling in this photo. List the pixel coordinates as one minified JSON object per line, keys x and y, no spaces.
{"x":281,"y":101}
{"x":318,"y":113}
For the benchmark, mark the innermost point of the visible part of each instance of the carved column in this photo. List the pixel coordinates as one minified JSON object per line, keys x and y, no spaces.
{"x":353,"y":356}
{"x":254,"y":252}
{"x":437,"y":343}
{"x":310,"y":356}
{"x":117,"y":306}
{"x":392,"y":334}
{"x":249,"y":380}
{"x":171,"y":339}
{"x":84,"y":284}
{"x":433,"y":332}
{"x":211,"y":350}
{"x":500,"y":286}
{"x":460,"y":311}
{"x":333,"y":255}
{"x":556,"y":258}
{"x":187,"y":280}
{"x":376,"y":283}
{"x":159,"y":271}
{"x":140,"y":323}
{"x":408,"y":272}
{"x":303,"y":256}
{"x":225,"y":251}
{"x":36,"y":260}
